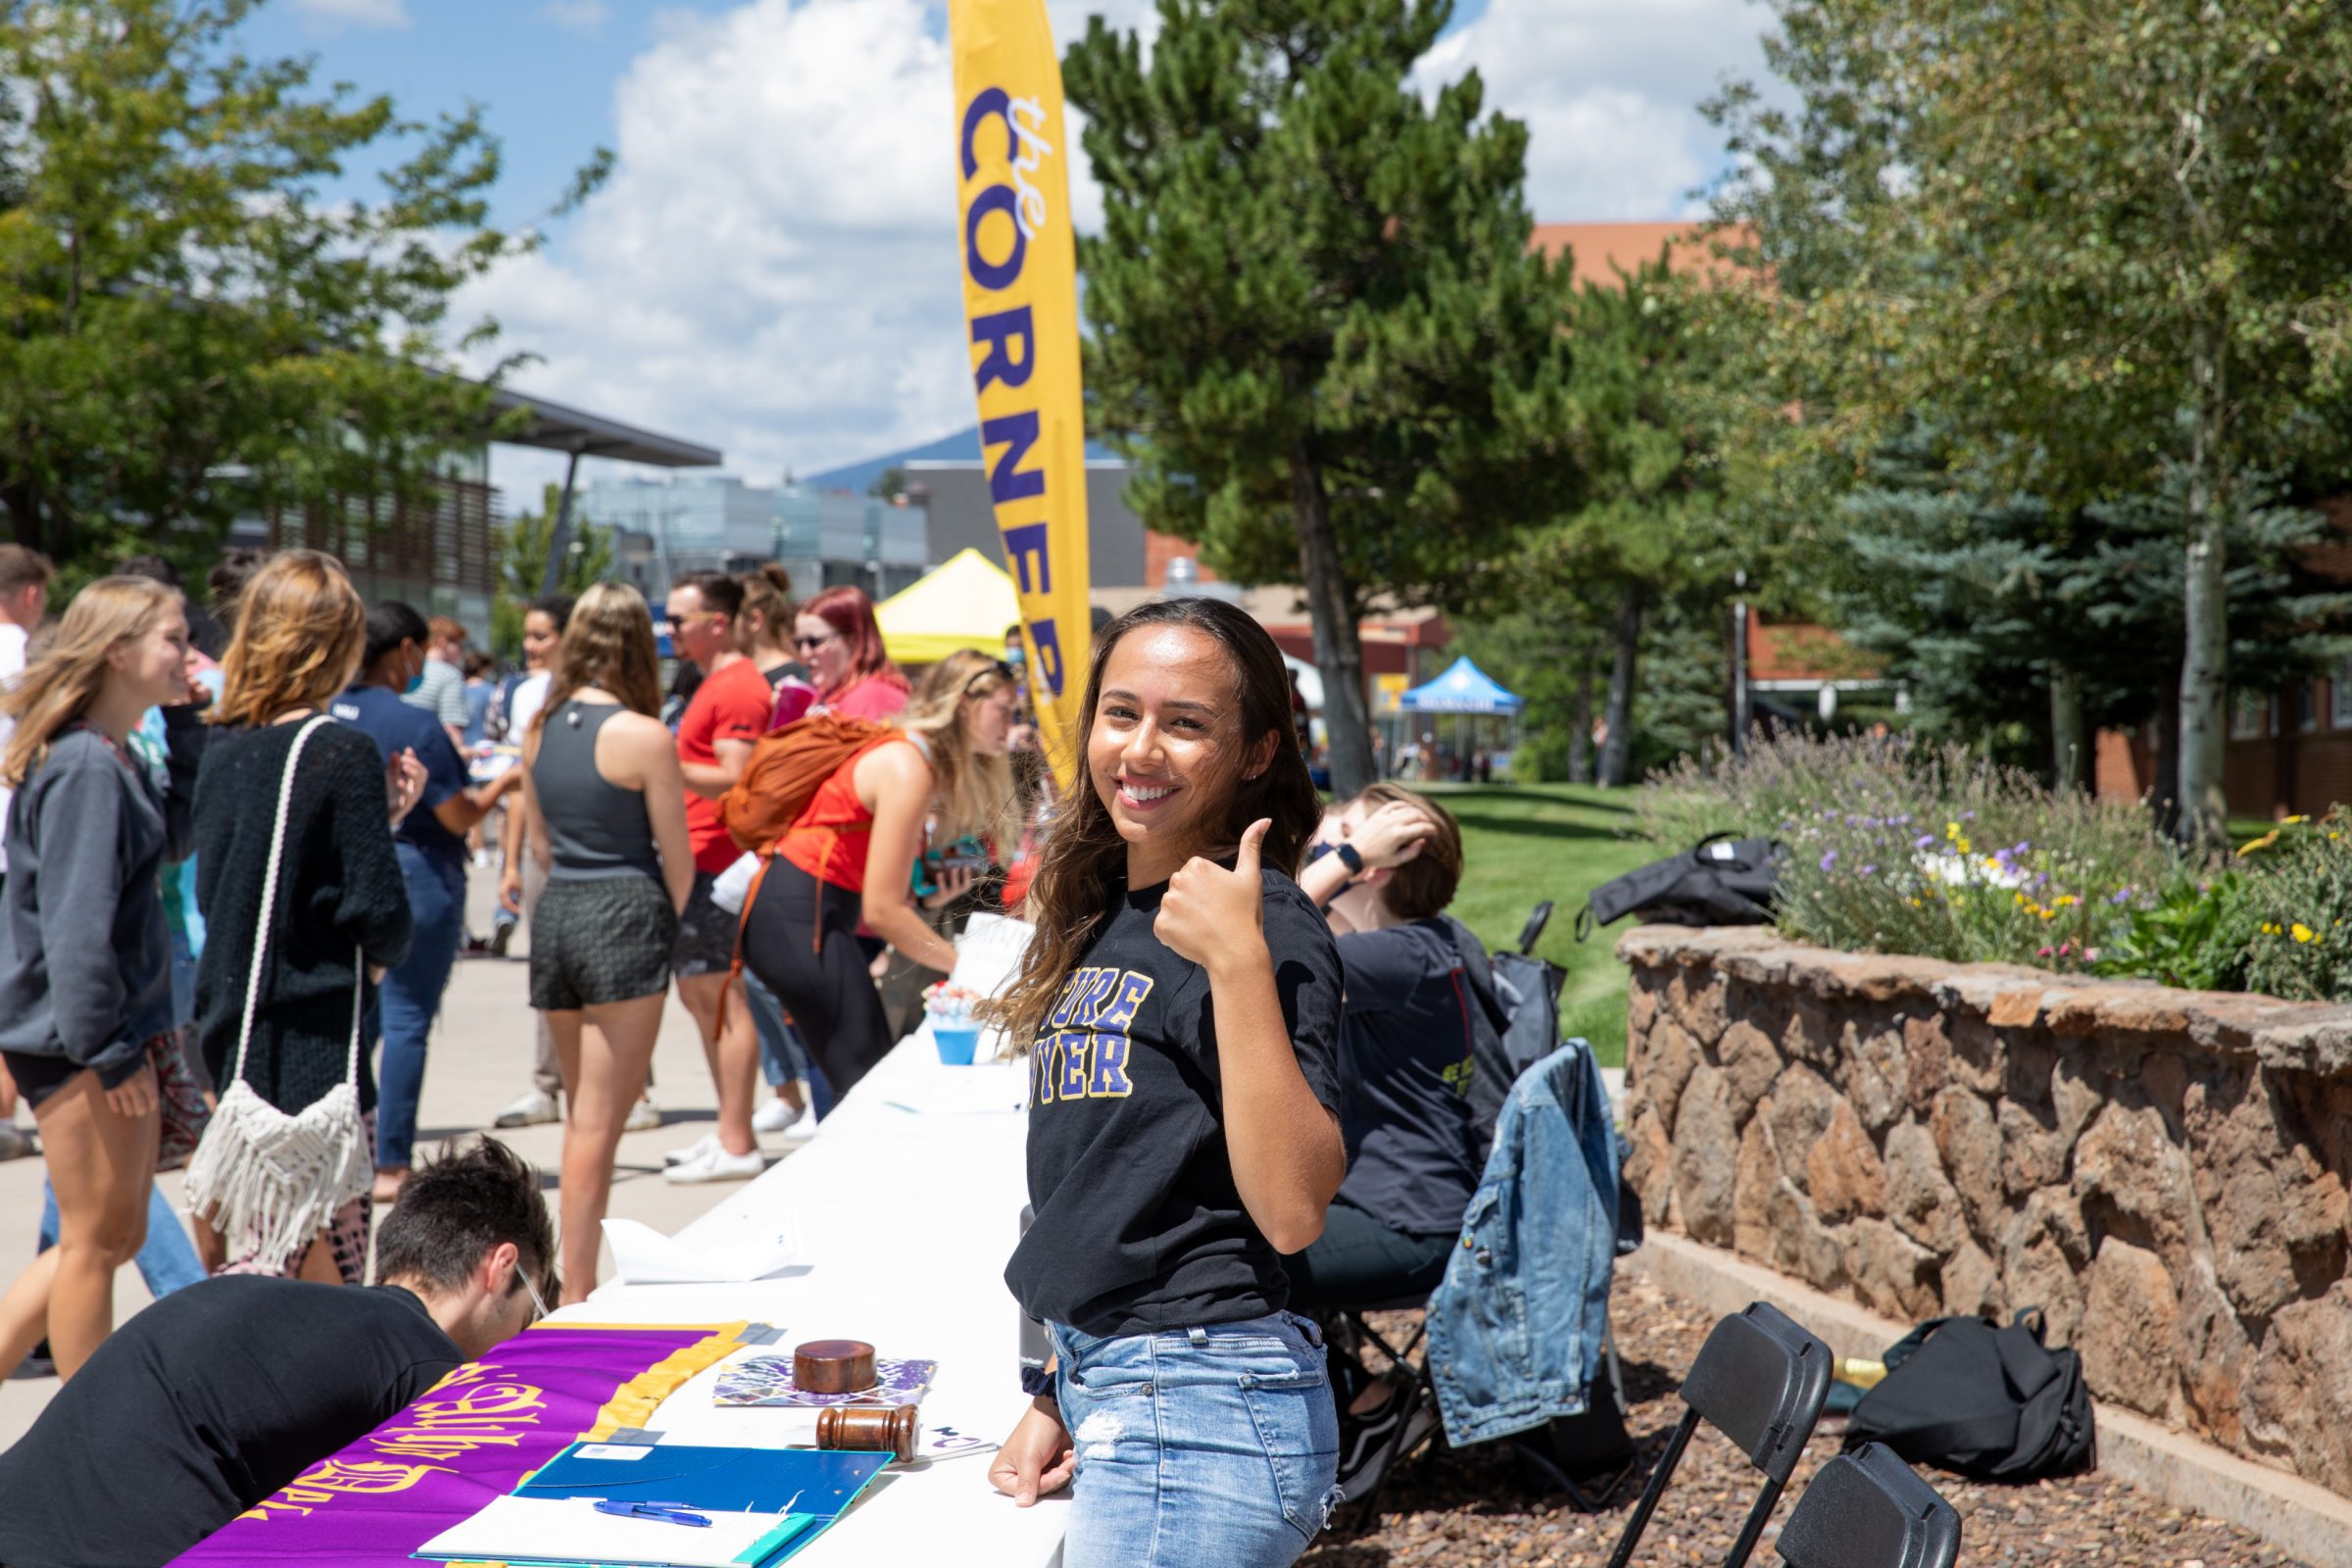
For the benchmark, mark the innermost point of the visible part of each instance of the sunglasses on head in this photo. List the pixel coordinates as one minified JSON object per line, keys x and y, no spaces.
{"x":996,"y":670}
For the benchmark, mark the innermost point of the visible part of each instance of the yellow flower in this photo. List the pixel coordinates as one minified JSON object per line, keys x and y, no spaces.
{"x":2262,"y":843}
{"x":2304,"y":933}
{"x":2290,"y":821}
{"x":1952,"y":830}
{"x":2065,"y":899}
{"x":1962,"y":846}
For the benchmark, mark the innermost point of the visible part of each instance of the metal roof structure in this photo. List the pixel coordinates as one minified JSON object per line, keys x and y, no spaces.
{"x":557,"y":428}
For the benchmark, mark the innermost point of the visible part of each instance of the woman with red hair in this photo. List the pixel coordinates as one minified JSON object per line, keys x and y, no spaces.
{"x":837,"y":638}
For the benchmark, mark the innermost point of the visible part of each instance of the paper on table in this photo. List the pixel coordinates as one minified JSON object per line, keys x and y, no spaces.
{"x":989,"y":951}
{"x":724,"y":1250}
{"x":569,"y":1529}
{"x":990,"y":1088}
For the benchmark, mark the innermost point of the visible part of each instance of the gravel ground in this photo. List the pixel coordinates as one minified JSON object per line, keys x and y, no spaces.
{"x":1472,"y":1508}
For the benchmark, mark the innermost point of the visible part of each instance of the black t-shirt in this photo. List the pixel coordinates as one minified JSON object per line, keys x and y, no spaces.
{"x":1138,"y":1226}
{"x":1405,"y":1059}
{"x":201,"y":1406}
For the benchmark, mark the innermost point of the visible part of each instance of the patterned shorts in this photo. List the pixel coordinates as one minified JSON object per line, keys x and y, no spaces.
{"x":599,"y":941}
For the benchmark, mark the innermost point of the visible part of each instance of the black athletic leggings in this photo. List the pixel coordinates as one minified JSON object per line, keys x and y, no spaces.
{"x":801,"y":942}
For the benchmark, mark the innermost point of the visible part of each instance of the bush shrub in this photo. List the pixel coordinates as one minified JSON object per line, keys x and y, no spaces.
{"x":1893,"y":845}
{"x":2298,"y":879}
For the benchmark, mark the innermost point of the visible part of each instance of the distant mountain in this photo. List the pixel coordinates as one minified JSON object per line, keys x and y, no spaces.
{"x":961,"y":447}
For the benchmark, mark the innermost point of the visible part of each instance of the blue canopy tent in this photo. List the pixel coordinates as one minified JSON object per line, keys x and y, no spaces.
{"x":1467,"y":691}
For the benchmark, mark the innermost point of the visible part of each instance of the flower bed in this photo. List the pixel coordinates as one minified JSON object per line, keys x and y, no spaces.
{"x":1893,"y":846}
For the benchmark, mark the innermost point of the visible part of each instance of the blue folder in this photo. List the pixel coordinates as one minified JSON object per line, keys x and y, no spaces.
{"x":822,"y":1482}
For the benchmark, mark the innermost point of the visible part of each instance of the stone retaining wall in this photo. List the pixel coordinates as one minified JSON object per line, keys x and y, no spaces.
{"x":2163,"y":1171}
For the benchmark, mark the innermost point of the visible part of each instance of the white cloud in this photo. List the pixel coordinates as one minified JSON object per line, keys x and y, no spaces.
{"x":772,"y":267}
{"x":579,"y":16}
{"x":1609,"y":94}
{"x":357,"y":12}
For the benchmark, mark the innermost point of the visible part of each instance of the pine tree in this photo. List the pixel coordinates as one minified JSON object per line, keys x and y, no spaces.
{"x":1317,"y":328}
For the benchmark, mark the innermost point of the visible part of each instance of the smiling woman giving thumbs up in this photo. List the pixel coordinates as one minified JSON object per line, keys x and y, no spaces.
{"x":1182,"y":1001}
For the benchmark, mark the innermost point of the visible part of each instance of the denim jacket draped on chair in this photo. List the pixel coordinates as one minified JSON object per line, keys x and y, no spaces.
{"x":1516,"y":1328}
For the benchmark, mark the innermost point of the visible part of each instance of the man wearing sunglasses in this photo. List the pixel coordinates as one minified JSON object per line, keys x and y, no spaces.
{"x":222,"y":1392}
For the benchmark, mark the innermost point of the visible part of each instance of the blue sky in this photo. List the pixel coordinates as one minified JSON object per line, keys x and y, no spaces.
{"x":772,"y":267}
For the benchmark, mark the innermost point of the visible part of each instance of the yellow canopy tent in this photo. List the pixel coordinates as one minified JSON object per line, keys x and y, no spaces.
{"x":965,"y":604}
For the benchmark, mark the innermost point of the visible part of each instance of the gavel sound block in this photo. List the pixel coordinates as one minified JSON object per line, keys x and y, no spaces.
{"x":871,"y":1428}
{"x":833,"y":1366}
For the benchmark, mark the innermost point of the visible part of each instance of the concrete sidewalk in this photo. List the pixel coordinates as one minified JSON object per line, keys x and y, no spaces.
{"x":480,"y":1060}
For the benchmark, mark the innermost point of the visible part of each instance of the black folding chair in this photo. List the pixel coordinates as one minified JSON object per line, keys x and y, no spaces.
{"x":1867,"y":1509}
{"x":1760,"y":1380}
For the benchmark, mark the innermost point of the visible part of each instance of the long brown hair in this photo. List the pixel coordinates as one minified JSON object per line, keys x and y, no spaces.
{"x":975,"y":793}
{"x":608,"y":644}
{"x":1085,"y":858}
{"x":59,"y":687}
{"x":301,"y":629}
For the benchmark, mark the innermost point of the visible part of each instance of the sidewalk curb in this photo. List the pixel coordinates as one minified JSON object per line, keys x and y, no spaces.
{"x":2172,"y":1467}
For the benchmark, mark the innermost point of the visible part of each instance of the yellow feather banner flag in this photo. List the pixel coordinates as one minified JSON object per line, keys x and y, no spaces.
{"x":1020,"y":305}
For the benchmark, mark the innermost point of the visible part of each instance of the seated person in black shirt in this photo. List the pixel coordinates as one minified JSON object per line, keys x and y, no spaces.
{"x":1405,"y":1054}
{"x":1393,"y":862}
{"x":221,"y":1393}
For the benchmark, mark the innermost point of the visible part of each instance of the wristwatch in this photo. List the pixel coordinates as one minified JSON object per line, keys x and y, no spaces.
{"x":1349,"y":857}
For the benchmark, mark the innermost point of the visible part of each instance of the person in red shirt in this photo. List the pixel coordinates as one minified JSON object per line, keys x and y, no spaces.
{"x":730,"y":711}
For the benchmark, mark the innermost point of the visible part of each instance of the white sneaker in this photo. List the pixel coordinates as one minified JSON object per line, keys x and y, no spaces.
{"x":531,"y":1110}
{"x":717,"y":1166}
{"x":703,"y":1145}
{"x":644,"y":1116}
{"x":778,"y":1116}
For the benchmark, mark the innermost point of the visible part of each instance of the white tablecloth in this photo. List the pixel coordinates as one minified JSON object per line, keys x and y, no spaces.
{"x":908,"y":1204}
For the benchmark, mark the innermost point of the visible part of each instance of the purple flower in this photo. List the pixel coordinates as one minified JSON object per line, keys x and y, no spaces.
{"x":1829,"y":860}
{"x":1869,"y":870}
{"x":2121,"y":896}
{"x":1926,"y":841}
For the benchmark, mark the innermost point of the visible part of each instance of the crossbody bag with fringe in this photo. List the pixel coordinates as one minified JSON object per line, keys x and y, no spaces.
{"x":261,"y":1177}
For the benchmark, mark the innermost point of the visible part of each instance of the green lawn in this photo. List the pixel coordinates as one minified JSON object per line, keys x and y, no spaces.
{"x":1524,"y":844}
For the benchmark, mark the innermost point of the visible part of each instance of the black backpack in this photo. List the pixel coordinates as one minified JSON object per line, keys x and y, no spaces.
{"x":1987,"y":1402}
{"x":1719,"y":881}
{"x":1515,"y":1023}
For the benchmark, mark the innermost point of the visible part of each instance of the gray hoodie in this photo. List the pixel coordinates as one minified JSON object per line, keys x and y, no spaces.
{"x":85,"y":957}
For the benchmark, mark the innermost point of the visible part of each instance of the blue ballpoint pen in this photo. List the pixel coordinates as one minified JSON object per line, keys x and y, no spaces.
{"x":676,"y":1513}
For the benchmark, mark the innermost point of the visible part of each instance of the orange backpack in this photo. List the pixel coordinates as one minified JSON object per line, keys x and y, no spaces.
{"x":784,"y":772}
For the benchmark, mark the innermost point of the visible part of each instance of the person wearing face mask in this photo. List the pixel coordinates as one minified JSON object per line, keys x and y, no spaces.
{"x":1181,"y":1004}
{"x":431,"y":843}
{"x":213,"y":1399}
{"x":940,"y":776}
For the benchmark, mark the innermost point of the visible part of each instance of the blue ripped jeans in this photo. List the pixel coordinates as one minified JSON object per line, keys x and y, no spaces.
{"x":1197,"y":1446}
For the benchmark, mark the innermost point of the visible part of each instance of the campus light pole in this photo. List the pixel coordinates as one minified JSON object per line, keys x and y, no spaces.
{"x":1740,"y":713}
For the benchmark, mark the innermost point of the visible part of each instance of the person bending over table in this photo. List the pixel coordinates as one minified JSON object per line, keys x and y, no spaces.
{"x":1182,"y":1000}
{"x":1388,"y":866}
{"x":938,"y":774}
{"x":221,"y":1393}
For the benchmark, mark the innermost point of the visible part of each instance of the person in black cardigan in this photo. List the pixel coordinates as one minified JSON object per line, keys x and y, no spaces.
{"x":301,"y":628}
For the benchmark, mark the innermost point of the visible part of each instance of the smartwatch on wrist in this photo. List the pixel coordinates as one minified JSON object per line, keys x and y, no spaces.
{"x":1349,"y":856}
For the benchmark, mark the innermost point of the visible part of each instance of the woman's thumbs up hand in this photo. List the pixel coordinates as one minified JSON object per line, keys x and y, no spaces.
{"x":1214,"y":916}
